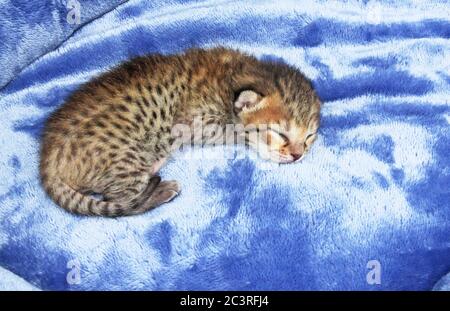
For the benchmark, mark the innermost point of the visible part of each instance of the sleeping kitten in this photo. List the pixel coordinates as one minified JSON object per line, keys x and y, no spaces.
{"x":113,"y":134}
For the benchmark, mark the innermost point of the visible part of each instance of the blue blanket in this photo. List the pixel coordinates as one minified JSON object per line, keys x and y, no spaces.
{"x":368,"y":208}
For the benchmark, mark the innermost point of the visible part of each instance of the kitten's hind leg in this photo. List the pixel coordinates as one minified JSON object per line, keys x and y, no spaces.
{"x":129,"y":186}
{"x":157,"y":165}
{"x":164,"y":192}
{"x":138,"y":188}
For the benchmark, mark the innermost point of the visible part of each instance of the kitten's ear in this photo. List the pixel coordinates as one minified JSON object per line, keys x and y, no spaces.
{"x":247,"y":100}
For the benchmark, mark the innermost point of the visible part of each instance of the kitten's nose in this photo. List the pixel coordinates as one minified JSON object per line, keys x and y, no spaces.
{"x":296,"y":156}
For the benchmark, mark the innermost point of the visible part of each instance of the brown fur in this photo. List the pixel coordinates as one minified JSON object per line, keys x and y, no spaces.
{"x":112,"y":134}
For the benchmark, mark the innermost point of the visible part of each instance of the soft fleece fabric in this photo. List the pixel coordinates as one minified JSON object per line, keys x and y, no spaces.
{"x":375,"y":186}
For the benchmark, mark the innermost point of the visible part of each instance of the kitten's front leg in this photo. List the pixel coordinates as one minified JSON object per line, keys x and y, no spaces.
{"x":157,"y":165}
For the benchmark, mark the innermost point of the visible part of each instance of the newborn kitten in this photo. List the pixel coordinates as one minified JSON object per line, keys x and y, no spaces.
{"x":114,"y":133}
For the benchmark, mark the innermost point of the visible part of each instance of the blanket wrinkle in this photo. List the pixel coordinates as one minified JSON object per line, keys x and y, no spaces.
{"x":19,"y":18}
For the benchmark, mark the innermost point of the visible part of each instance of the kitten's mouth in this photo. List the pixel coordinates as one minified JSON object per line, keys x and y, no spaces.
{"x":282,"y":159}
{"x":275,"y":156}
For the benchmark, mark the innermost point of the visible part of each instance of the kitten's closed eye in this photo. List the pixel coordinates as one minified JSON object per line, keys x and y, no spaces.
{"x":283,"y":136}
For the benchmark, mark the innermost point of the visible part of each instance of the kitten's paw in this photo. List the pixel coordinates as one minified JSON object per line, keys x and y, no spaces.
{"x":166,"y":191}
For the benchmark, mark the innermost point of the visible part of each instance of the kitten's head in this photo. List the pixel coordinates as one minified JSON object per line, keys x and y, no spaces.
{"x":280,"y":114}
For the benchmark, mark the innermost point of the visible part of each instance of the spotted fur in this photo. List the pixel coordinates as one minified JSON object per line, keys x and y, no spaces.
{"x":114,"y":133}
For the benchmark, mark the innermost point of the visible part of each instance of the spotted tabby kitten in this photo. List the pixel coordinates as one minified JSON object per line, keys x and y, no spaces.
{"x":113,"y":134}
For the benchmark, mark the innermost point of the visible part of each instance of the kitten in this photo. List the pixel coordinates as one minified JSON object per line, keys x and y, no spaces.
{"x":115,"y":132}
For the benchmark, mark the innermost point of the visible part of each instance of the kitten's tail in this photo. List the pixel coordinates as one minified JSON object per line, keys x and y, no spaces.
{"x":79,"y":203}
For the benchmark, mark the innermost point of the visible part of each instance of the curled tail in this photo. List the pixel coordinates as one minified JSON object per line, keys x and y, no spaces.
{"x":82,"y":204}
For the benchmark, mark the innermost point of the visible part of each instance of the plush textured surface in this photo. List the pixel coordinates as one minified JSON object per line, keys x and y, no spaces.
{"x":29,"y":29}
{"x":443,"y":284}
{"x":11,"y":282}
{"x":374,"y":187}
